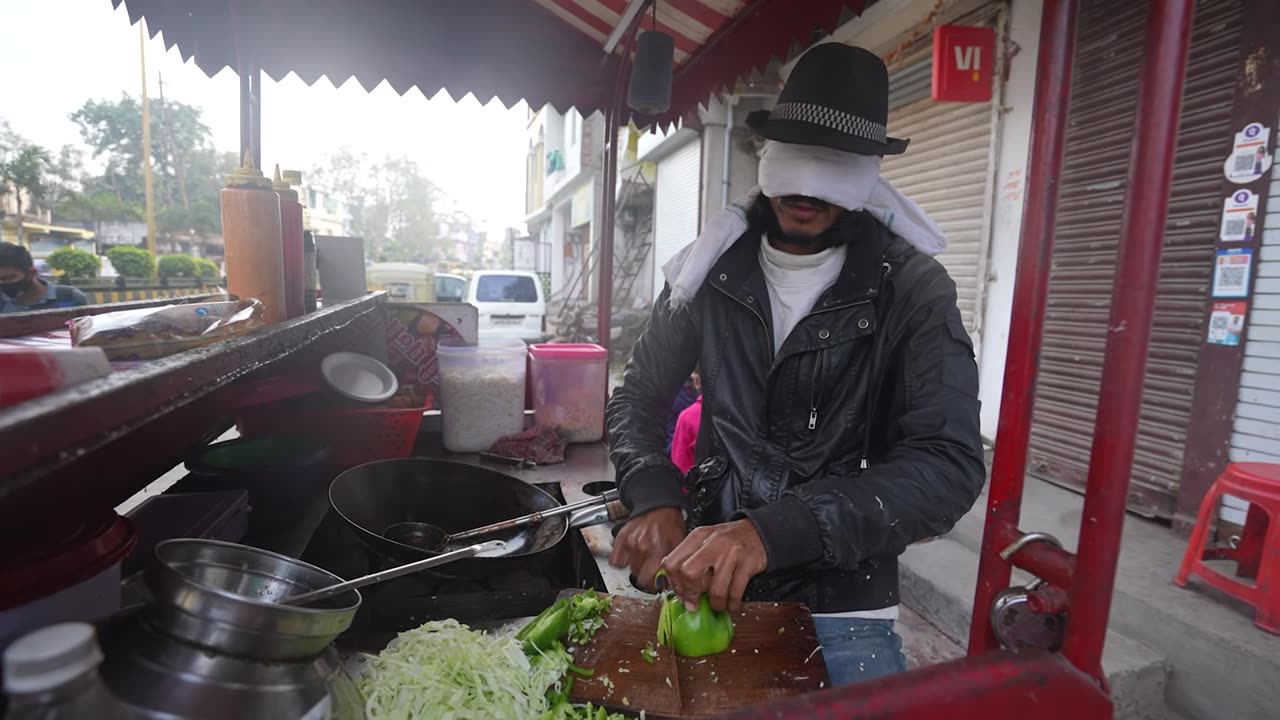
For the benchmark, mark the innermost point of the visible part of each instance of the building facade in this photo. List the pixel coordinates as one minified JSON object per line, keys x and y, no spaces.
{"x":1213,"y":376}
{"x":563,"y":189}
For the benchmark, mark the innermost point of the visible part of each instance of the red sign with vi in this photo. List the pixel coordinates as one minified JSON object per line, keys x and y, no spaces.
{"x":963,"y":63}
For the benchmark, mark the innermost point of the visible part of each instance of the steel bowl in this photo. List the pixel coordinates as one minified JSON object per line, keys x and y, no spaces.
{"x":225,"y":597}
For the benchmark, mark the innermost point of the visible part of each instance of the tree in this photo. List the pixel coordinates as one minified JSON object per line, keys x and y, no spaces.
{"x":132,"y":262}
{"x":97,"y":208}
{"x":23,"y":170}
{"x":187,"y":170}
{"x":391,"y":203}
{"x":75,"y":263}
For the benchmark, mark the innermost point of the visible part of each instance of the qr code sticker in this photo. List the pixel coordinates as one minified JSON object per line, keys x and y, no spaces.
{"x":1243,"y":164}
{"x":1231,"y":276}
{"x":1219,"y":323}
{"x":1233,"y":227}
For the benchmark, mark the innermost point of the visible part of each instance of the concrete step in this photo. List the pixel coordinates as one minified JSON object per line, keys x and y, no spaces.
{"x":938,"y":583}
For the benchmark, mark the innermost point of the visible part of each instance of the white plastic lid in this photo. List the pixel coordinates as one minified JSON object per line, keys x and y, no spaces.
{"x":50,"y":657}
{"x":359,"y":377}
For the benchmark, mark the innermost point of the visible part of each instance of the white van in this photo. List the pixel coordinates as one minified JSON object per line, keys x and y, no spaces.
{"x":511,"y":304}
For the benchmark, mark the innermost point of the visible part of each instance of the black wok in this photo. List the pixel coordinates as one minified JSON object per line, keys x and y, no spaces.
{"x":450,"y":495}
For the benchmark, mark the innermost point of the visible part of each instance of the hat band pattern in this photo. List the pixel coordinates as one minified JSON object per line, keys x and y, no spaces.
{"x":844,"y":122}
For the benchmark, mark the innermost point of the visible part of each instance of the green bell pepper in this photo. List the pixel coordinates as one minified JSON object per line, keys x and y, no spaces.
{"x":694,"y":633}
{"x":542,"y":632}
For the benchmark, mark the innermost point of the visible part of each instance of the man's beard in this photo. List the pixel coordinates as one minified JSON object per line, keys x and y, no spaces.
{"x":763,"y":217}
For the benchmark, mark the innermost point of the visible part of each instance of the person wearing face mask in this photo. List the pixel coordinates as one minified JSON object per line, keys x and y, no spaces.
{"x":21,"y":288}
{"x":840,"y":393}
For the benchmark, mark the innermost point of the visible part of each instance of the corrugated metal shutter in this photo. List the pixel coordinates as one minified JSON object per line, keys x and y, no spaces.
{"x":1256,"y":436}
{"x":675,"y":209}
{"x":1104,"y":93}
{"x":948,"y":168}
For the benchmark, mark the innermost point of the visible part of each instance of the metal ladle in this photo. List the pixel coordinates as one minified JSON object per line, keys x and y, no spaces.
{"x":306,"y":598}
{"x":433,"y":539}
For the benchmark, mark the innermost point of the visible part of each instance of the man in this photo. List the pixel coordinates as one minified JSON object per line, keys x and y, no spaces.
{"x":840,"y":410}
{"x":21,"y":288}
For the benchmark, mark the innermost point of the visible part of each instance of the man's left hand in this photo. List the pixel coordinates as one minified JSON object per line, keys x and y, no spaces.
{"x":717,"y":560}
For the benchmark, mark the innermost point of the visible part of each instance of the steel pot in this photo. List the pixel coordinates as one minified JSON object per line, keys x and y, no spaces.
{"x":221,"y":596}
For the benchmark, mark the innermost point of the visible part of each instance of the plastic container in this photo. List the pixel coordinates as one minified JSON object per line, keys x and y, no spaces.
{"x":252,"y":234}
{"x":75,"y":578}
{"x":26,"y":373}
{"x":52,"y":674}
{"x":482,"y":390}
{"x":284,"y":476}
{"x":340,"y":265}
{"x":569,"y":389}
{"x":355,"y":434}
{"x":295,"y":278}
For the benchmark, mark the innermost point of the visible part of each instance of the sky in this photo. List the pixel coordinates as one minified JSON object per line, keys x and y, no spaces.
{"x":75,"y":50}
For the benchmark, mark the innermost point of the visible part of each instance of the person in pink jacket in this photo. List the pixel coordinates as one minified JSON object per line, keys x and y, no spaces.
{"x":684,"y":444}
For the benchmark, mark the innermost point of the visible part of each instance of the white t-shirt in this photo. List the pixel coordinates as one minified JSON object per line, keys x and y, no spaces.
{"x":795,"y":283}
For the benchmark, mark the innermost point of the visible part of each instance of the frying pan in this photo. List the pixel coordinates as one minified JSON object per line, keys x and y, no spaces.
{"x":450,"y":495}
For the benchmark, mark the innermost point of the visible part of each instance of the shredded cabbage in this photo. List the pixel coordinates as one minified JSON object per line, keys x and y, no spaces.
{"x":444,"y":670}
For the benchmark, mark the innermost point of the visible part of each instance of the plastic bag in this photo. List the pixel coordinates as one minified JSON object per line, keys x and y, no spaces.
{"x":149,"y":333}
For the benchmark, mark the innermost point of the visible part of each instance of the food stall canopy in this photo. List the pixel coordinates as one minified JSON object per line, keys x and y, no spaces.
{"x":541,"y":51}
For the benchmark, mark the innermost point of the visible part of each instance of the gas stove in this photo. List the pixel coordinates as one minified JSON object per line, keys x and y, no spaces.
{"x":405,"y":603}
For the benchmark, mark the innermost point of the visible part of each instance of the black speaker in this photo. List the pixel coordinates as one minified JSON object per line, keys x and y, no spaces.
{"x":650,"y":89}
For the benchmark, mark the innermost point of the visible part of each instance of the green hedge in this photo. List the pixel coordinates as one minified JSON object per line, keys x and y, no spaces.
{"x":75,"y":263}
{"x":206,"y":269}
{"x":132,"y":262}
{"x":176,"y":266}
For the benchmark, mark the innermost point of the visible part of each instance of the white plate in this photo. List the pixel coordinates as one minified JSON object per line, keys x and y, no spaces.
{"x":359,"y":377}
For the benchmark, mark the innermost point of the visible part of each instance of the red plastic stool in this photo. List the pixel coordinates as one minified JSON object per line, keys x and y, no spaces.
{"x":1258,"y":555}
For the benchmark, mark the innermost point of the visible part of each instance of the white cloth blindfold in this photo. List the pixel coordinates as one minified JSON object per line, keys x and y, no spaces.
{"x":843,"y":179}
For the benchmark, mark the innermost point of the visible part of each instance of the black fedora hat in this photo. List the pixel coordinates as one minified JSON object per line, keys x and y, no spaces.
{"x":838,"y":97}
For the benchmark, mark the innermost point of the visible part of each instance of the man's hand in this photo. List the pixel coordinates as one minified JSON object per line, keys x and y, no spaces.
{"x":645,"y":540}
{"x":718,"y":560}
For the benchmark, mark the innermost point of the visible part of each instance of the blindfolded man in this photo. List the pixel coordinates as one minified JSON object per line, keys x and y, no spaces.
{"x":840,"y":411}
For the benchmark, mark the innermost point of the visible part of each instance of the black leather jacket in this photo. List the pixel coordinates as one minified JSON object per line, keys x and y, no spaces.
{"x":859,"y":438}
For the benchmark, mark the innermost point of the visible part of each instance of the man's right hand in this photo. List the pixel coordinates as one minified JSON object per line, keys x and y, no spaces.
{"x":645,"y":540}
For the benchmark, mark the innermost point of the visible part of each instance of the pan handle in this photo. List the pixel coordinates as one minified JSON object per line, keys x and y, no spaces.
{"x":395,"y":572}
{"x":612,"y":511}
{"x":591,"y":503}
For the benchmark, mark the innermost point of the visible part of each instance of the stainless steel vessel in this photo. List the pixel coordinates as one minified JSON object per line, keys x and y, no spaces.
{"x":215,"y":643}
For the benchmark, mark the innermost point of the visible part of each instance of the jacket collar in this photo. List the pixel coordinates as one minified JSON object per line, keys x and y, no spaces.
{"x":738,"y":272}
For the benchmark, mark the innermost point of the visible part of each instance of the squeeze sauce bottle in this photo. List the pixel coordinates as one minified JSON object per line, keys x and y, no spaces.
{"x":294,"y":178}
{"x":291,"y":235}
{"x":251,"y":231}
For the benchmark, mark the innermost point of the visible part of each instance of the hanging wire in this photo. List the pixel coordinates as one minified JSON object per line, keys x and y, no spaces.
{"x":654,"y":26}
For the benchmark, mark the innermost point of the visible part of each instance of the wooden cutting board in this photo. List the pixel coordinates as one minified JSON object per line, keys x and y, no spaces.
{"x":774,"y":654}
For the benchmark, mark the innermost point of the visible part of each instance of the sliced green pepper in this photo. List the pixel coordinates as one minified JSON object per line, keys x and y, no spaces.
{"x":542,"y":632}
{"x":694,"y":633}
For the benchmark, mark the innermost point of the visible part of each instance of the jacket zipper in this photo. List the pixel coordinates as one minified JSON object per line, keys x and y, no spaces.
{"x":815,"y":392}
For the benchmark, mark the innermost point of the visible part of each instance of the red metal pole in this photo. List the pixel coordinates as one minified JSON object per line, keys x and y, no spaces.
{"x":1030,"y":293}
{"x":1047,"y":562}
{"x":1132,"y":305}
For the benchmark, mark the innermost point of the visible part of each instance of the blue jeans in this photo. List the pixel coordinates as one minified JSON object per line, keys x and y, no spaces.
{"x":856,"y":649}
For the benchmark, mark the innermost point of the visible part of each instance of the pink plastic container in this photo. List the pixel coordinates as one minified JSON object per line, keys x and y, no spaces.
{"x":569,"y":389}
